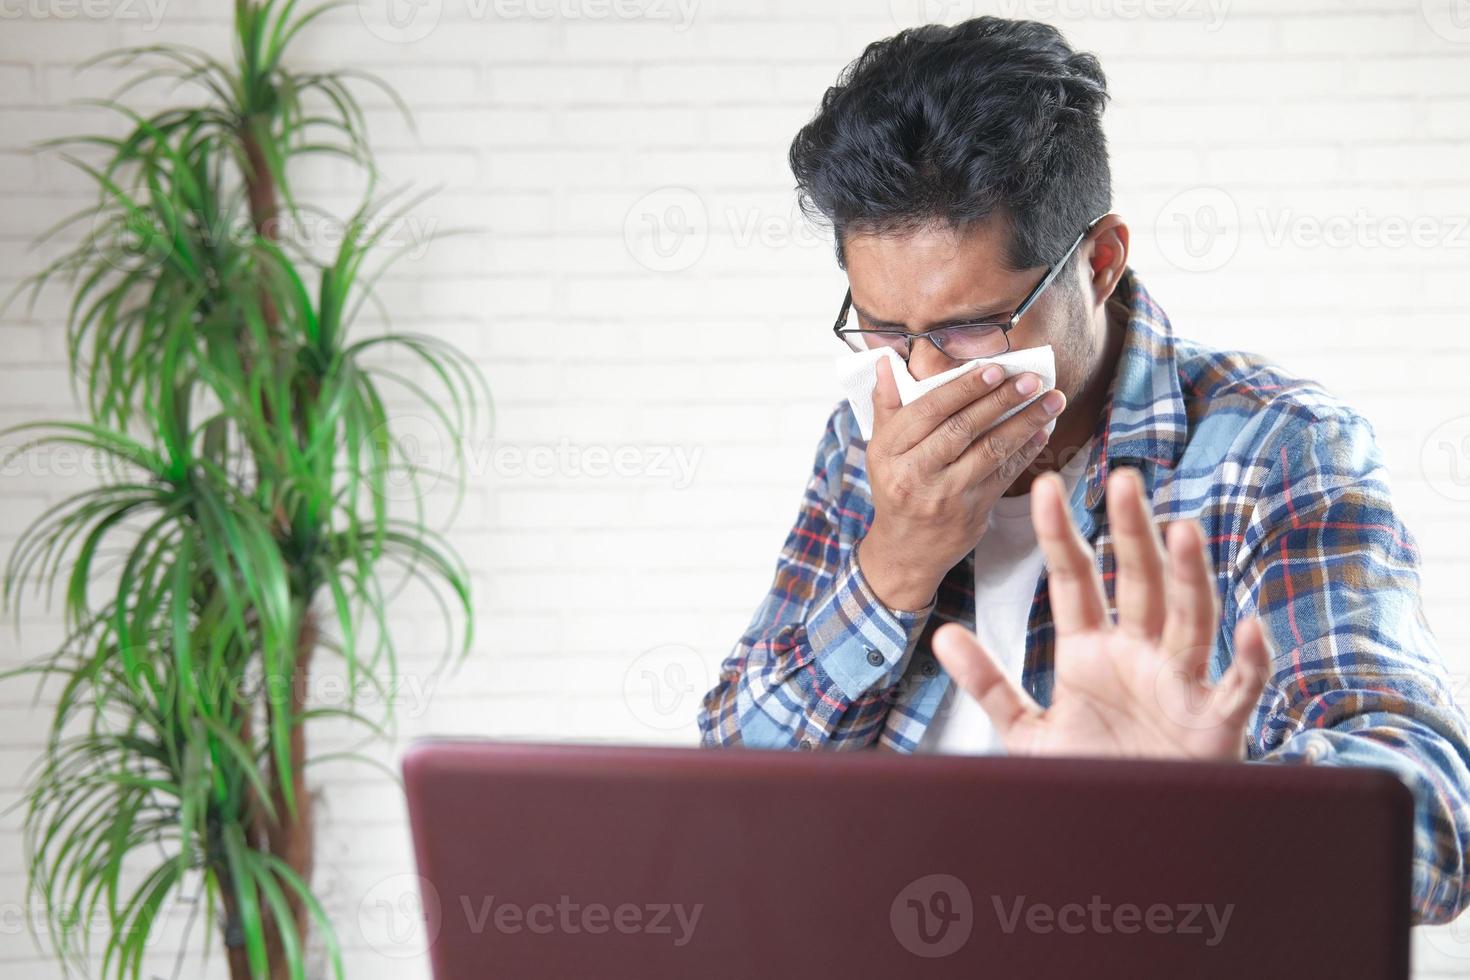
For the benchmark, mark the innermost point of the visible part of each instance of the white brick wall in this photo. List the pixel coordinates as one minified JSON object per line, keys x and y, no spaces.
{"x":550,"y":123}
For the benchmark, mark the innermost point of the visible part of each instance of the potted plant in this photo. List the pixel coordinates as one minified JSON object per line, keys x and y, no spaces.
{"x":245,"y":524}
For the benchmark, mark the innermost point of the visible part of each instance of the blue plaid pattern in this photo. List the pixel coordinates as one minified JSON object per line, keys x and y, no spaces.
{"x":1288,"y":484}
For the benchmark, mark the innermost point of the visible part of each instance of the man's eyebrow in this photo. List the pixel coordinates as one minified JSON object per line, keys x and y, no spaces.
{"x":974,"y":315}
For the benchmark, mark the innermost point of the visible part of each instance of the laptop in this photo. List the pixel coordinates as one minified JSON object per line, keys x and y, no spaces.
{"x":563,"y":862}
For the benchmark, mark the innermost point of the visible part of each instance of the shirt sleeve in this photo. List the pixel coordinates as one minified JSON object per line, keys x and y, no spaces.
{"x":819,"y":662}
{"x":1357,"y":677}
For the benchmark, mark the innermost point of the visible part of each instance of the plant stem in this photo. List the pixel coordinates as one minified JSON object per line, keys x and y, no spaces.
{"x":293,"y":841}
{"x":290,"y":835}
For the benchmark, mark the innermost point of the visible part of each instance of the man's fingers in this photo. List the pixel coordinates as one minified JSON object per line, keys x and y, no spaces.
{"x":1004,"y":451}
{"x":1245,"y":678}
{"x":1139,"y":554}
{"x":976,"y":424}
{"x":1075,"y":590}
{"x":885,"y":395}
{"x":981,"y":676}
{"x":933,"y":409}
{"x":1193,"y":611}
{"x":1017,"y":451}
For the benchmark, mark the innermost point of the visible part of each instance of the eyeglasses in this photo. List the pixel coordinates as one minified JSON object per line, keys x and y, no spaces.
{"x":961,"y":341}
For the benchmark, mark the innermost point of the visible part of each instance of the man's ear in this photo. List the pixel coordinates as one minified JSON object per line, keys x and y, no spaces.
{"x":1106,"y":255}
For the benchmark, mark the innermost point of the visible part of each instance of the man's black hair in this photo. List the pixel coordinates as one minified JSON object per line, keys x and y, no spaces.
{"x":954,"y":124}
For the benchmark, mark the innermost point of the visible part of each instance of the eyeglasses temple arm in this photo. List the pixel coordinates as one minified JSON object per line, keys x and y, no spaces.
{"x":1053,"y":272}
{"x":842,"y":314}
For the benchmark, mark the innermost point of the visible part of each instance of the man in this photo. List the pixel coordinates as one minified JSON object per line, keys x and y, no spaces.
{"x":965,"y":176}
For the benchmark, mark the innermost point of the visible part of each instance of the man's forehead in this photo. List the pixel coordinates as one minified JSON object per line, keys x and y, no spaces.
{"x":935,"y":239}
{"x":928,"y":274}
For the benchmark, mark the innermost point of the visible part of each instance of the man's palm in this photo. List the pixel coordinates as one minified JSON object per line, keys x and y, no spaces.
{"x":1134,"y":688}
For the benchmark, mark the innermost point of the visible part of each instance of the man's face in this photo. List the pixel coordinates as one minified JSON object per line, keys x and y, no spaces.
{"x":921,"y":279}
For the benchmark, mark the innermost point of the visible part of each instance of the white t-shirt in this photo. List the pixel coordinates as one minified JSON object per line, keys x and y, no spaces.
{"x":1008,"y":566}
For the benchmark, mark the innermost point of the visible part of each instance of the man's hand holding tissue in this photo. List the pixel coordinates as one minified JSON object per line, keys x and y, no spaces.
{"x":1135,"y":688}
{"x":936,"y":466}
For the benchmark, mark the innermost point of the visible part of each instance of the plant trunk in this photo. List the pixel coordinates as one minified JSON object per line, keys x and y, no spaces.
{"x":234,"y":944}
{"x":290,"y":836}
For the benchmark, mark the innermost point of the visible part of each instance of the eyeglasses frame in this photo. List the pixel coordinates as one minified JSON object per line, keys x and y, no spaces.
{"x":842,"y":331}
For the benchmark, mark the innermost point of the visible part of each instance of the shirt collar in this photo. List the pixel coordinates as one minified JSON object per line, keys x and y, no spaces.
{"x":1143,"y":423}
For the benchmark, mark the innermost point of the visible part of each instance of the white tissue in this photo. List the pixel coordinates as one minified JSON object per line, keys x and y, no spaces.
{"x":857,"y":372}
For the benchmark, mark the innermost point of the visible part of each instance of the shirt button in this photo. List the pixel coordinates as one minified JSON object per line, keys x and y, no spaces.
{"x":875,"y":658}
{"x":1317,"y":748}
{"x":930,"y":668}
{"x":806,"y":744}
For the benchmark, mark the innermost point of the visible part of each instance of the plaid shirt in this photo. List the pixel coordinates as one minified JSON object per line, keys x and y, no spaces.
{"x":1294,"y":500}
